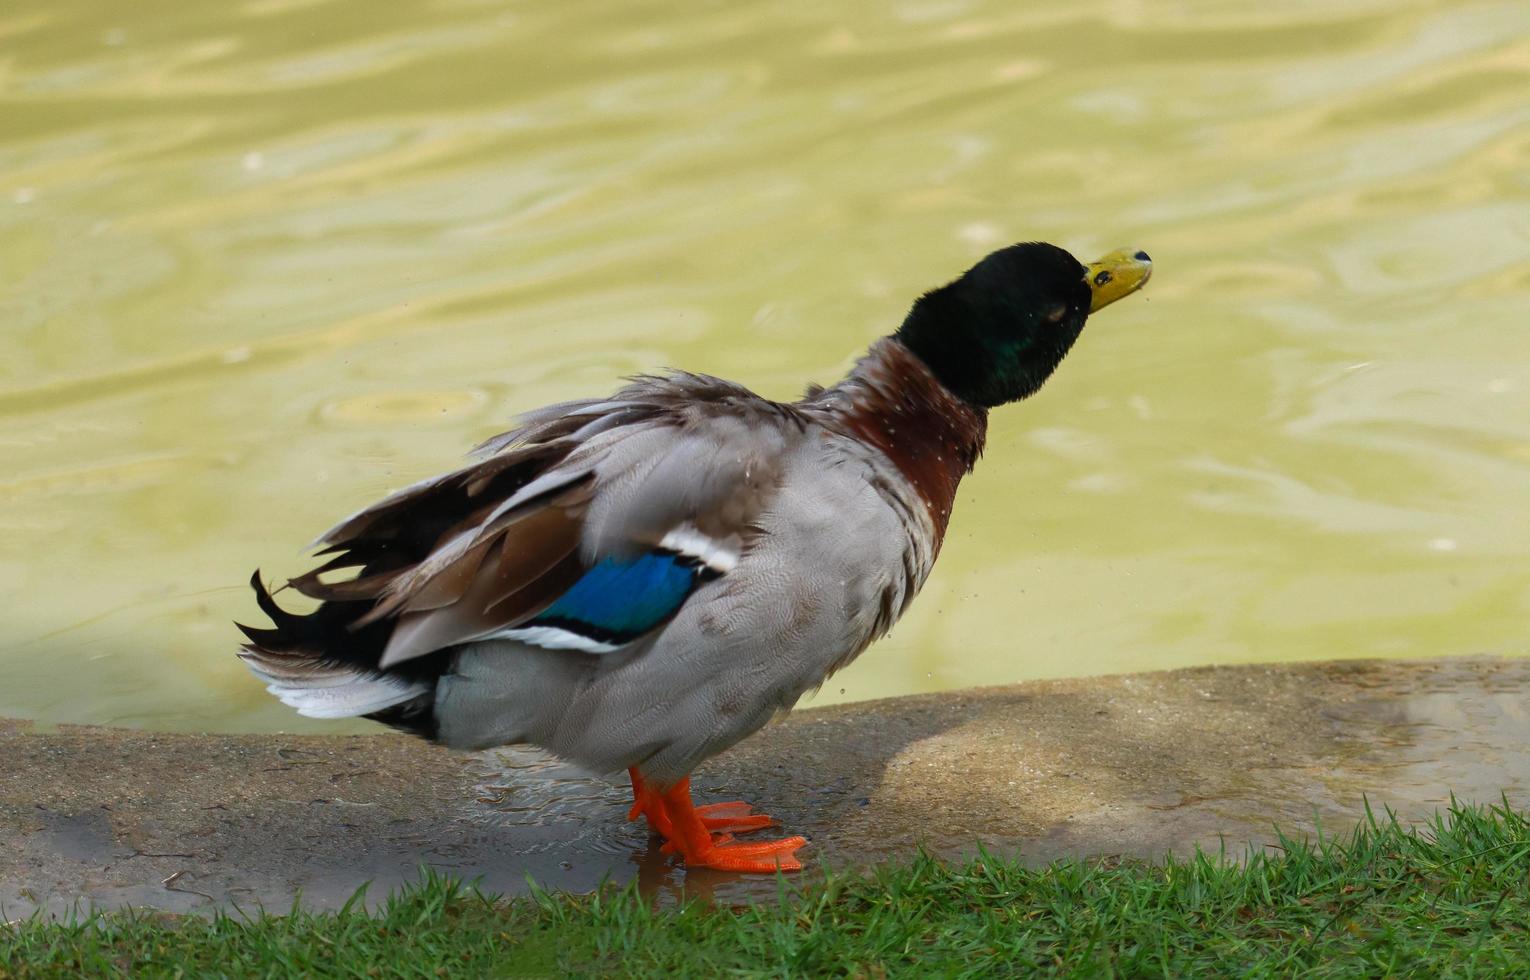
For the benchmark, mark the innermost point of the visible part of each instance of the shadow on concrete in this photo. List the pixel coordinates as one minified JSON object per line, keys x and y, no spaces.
{"x":1137,"y":765}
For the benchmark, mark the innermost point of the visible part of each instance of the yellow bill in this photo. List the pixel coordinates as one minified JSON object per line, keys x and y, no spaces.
{"x":1118,"y":274}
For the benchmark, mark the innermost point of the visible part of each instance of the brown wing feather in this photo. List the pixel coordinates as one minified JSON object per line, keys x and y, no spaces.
{"x":485,"y":608}
{"x":510,"y":575}
{"x":399,"y":549}
{"x":394,"y":516}
{"x":492,"y":544}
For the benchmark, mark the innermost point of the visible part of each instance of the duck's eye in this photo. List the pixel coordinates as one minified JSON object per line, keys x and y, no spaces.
{"x":1055,"y":314}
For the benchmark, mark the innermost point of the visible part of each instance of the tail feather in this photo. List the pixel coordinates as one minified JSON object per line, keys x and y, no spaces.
{"x":316,"y":664}
{"x":320,"y":690}
{"x":327,"y":663}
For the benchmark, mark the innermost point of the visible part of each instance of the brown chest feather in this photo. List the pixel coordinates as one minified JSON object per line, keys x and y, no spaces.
{"x":930,"y":435}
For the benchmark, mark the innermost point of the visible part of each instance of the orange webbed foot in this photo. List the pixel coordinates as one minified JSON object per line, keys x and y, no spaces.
{"x":737,"y":817}
{"x":756,"y":857}
{"x":702,"y":835}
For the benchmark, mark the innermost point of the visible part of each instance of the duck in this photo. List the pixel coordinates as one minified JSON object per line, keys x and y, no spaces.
{"x":639,"y":581}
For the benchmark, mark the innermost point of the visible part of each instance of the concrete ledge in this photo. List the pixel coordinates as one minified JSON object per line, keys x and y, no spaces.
{"x":1133,"y":765}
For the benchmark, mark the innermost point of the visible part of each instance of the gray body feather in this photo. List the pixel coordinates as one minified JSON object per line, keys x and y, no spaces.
{"x":812,"y":539}
{"x":826,"y":554}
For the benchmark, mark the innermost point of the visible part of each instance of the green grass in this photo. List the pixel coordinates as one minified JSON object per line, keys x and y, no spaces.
{"x":1451,"y":898}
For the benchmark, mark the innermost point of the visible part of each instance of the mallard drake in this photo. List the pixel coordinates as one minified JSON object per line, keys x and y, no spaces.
{"x":640,"y":581}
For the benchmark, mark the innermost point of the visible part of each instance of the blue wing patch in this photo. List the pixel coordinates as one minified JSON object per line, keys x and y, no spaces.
{"x":622,"y":598}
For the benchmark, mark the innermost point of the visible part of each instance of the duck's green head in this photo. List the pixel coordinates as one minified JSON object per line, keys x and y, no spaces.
{"x":996,"y":334}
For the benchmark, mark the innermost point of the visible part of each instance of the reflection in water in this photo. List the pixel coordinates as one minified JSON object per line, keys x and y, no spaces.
{"x":568,"y":829}
{"x":260,"y":264}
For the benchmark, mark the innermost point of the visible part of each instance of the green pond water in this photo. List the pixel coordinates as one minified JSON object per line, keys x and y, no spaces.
{"x":262,"y":261}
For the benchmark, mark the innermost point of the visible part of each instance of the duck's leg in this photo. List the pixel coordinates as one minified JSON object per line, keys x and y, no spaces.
{"x":690,"y":836}
{"x":736,"y":816}
{"x":647,"y":802}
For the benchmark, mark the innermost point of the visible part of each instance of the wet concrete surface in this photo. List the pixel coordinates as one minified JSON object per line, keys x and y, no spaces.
{"x":1135,"y":765}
